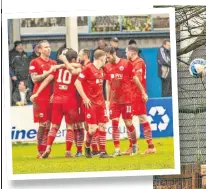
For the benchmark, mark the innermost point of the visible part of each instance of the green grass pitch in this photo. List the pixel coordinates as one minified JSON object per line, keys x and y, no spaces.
{"x":25,"y":162}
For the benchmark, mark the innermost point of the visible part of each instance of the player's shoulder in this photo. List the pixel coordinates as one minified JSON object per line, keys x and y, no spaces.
{"x":53,"y":62}
{"x":35,"y":60}
{"x":124,"y":61}
{"x":107,"y":66}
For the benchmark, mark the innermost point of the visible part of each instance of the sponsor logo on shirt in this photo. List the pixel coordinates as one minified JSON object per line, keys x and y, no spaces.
{"x":31,"y":67}
{"x":81,"y":75}
{"x":63,"y":87}
{"x":118,"y":76}
{"x":140,"y":70}
{"x":99,"y":81}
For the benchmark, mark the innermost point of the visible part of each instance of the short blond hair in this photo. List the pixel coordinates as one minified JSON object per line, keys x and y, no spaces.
{"x":98,"y":54}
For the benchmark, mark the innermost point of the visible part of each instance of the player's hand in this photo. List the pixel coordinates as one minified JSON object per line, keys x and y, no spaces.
{"x":51,"y":98}
{"x":145,"y":97}
{"x":32,"y":98}
{"x":14,"y":78}
{"x":18,"y":103}
{"x":87,"y":102}
{"x":62,"y":57}
{"x":107,"y":104}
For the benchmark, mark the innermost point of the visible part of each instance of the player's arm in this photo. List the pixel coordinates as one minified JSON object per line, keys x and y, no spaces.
{"x":80,"y":90}
{"x":78,"y":84}
{"x":76,"y":71}
{"x":68,"y":65}
{"x":42,"y":86}
{"x":108,"y":88}
{"x":141,"y":88}
{"x":134,"y":74}
{"x":76,"y":65}
{"x":39,"y":77}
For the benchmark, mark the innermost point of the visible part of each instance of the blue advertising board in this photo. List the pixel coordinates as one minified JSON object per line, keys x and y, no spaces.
{"x":160,"y":115}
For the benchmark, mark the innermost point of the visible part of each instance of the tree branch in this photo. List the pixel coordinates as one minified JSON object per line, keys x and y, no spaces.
{"x":191,"y":47}
{"x":191,"y":16}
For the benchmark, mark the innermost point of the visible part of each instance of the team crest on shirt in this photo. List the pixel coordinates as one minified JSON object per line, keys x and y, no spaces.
{"x":81,"y":75}
{"x":31,"y":67}
{"x":121,"y":68}
{"x":88,"y":116}
{"x":41,"y":114}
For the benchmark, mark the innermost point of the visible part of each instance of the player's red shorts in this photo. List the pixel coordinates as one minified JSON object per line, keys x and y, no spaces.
{"x":139,"y":108}
{"x":96,"y":114}
{"x":81,"y":110}
{"x":42,"y":111}
{"x":69,"y":110}
{"x":116,"y":110}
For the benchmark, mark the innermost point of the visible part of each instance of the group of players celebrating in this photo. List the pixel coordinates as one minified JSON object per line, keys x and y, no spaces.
{"x":74,"y":90}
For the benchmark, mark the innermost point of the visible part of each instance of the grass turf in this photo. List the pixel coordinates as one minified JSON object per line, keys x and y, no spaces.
{"x":25,"y":162}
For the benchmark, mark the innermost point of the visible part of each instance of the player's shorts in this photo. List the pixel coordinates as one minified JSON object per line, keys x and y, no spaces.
{"x":96,"y":114}
{"x":115,"y":110}
{"x":69,"y":110}
{"x":81,"y":111}
{"x":139,"y":108}
{"x":42,"y":111}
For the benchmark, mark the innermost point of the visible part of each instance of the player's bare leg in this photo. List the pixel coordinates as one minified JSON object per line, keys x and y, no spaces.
{"x":50,"y":140}
{"x":116,"y":136}
{"x":129,"y":150}
{"x":40,"y":134}
{"x":80,"y":138}
{"x":147,"y":134}
{"x":102,"y":141}
{"x":93,"y":128}
{"x":132,"y":132}
{"x":69,"y":140}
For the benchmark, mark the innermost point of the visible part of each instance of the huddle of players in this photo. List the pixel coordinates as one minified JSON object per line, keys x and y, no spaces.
{"x":77,"y":88}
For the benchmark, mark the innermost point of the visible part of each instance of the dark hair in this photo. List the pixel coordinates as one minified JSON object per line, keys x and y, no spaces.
{"x":132,"y":41}
{"x":16,"y":43}
{"x":71,"y":54}
{"x":134,"y":48}
{"x":110,"y":49}
{"x":98,"y":54}
{"x":166,"y":41}
{"x":59,"y":51}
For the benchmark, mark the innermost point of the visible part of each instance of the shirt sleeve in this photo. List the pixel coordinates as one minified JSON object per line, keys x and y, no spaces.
{"x":84,"y":75}
{"x":33,"y":68}
{"x":131,"y":70}
{"x":54,"y":73}
{"x":138,"y":69}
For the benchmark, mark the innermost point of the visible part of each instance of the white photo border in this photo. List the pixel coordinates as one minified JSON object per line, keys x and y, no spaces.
{"x":6,"y":96}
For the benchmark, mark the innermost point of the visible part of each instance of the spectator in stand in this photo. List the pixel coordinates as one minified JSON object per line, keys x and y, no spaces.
{"x":164,"y":68}
{"x":34,"y":55}
{"x":101,"y":46}
{"x":35,"y":52}
{"x":18,"y":64}
{"x":114,"y":42}
{"x":21,"y":96}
